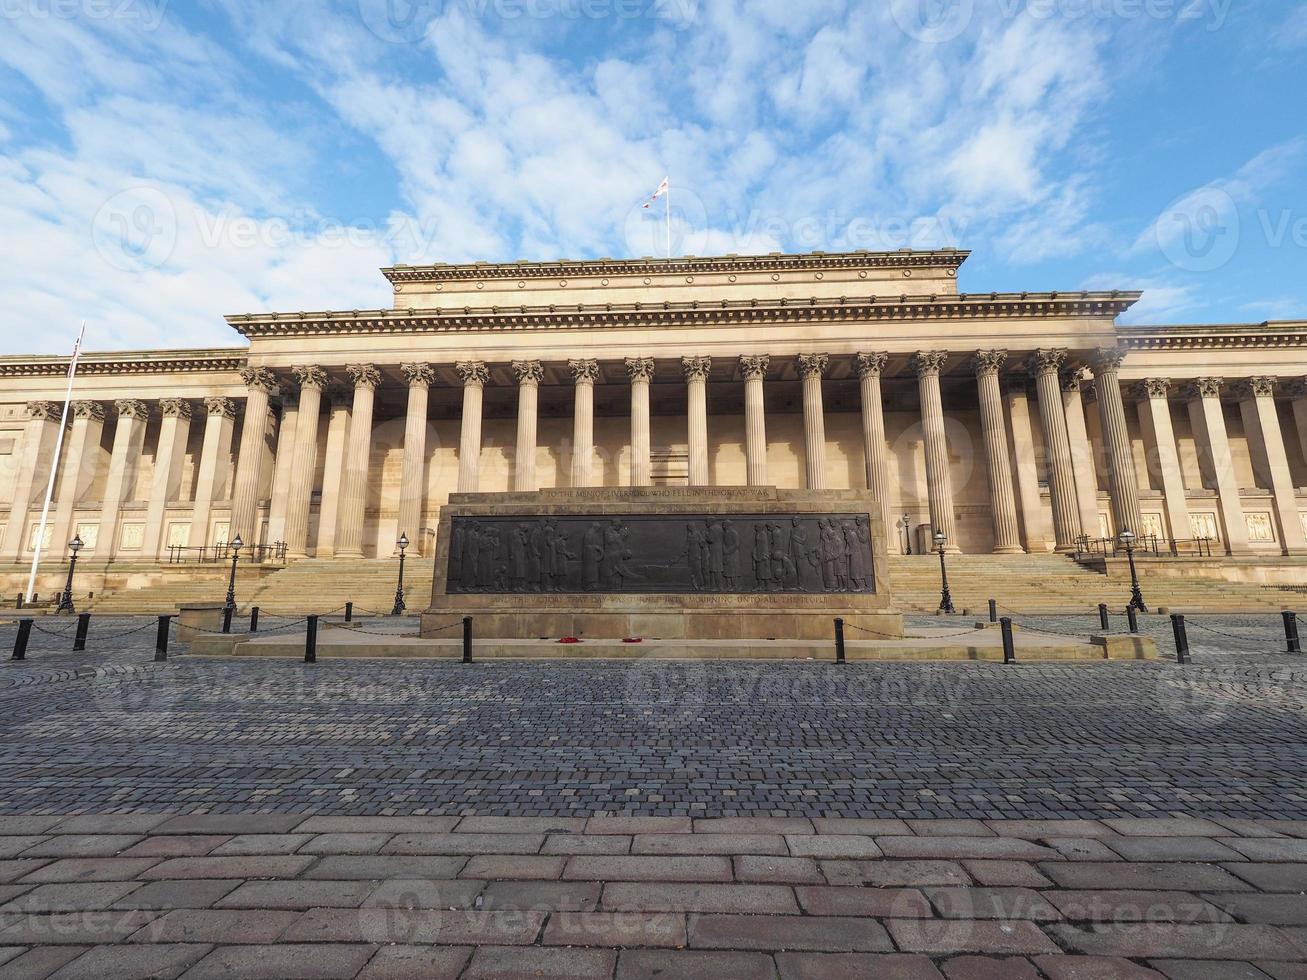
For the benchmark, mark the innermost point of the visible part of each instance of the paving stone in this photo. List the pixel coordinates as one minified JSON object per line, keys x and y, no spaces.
{"x":789,"y":932}
{"x":1275,"y":910}
{"x":374,"y":825}
{"x":514,"y":866}
{"x":73,"y":928}
{"x":377,"y":866}
{"x":1167,"y":940}
{"x":1280,"y":849}
{"x":865,"y":826}
{"x":1269,"y":877}
{"x":1044,"y":829}
{"x":639,"y":825}
{"x":1163,"y":827}
{"x":7,"y":953}
{"x":1147,"y":877}
{"x":1085,"y":848}
{"x":1283,"y":971}
{"x":91,"y":869}
{"x":950,"y":828}
{"x":1154,"y":848}
{"x":464,"y":843}
{"x":991,"y":903}
{"x":40,"y":962}
{"x":128,"y":962}
{"x":651,"y":964}
{"x":1249,"y":828}
{"x":1004,"y":874}
{"x":990,"y":968}
{"x":22,"y":825}
{"x":288,"y":962}
{"x":1208,"y":970}
{"x":943,"y":937}
{"x":71,"y":897}
{"x":562,"y":896}
{"x":183,"y":893}
{"x":508,"y":963}
{"x":648,"y":868}
{"x":894,"y":874}
{"x":14,"y":846}
{"x":417,"y":963}
{"x":80,"y":845}
{"x":778,"y":870}
{"x":222,"y":926}
{"x":851,"y":846}
{"x":262,"y":844}
{"x":421,"y":926}
{"x":1093,"y":968}
{"x":952,"y":848}
{"x":111,"y":823}
{"x":20,"y":868}
{"x":230,"y":823}
{"x":255,"y":866}
{"x":712,"y":844}
{"x":592,"y":844}
{"x":1134,"y":906}
{"x":345,"y":843}
{"x":754,"y":825}
{"x":422,"y":893}
{"x":667,"y":897}
{"x":297,"y":895}
{"x":176,"y":845}
{"x":521,"y":826}
{"x":855,"y":966}
{"x":616,"y":929}
{"x":896,"y":903}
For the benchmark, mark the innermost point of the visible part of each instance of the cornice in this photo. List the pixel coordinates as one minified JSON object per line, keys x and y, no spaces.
{"x":1272,"y":333}
{"x":694,"y":313}
{"x":689,"y":264}
{"x":129,"y":362}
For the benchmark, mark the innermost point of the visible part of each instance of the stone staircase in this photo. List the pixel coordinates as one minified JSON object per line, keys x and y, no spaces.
{"x":323,"y":586}
{"x":171,"y":586}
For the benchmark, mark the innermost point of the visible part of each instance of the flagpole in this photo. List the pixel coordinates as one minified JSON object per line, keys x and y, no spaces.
{"x":669,"y":217}
{"x":54,"y":465}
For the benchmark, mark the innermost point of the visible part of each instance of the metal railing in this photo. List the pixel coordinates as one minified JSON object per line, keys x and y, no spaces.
{"x":1145,"y":546}
{"x":259,"y":554}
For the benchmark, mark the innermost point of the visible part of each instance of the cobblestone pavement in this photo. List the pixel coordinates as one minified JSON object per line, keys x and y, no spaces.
{"x":110,"y":731}
{"x":621,"y":898}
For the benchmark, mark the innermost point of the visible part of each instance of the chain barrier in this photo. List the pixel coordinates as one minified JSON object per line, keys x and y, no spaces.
{"x":153,"y":624}
{"x":62,"y":632}
{"x":1233,"y":636}
{"x":447,"y":626}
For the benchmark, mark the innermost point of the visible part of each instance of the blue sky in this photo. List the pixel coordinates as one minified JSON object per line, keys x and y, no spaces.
{"x":164,"y":163}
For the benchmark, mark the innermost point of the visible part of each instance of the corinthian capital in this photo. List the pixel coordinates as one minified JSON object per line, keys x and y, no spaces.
{"x":929,"y":362}
{"x":1106,"y":360}
{"x":310,"y":376}
{"x":1204,"y":388}
{"x":871,"y":365}
{"x":259,"y":377}
{"x":218,"y":405}
{"x":812,"y":365}
{"x":473,"y":373}
{"x":754,"y":365}
{"x":528,"y":372}
{"x":1153,"y":388}
{"x":1070,"y":380}
{"x":640,"y":368}
{"x":584,"y":370}
{"x":173,"y":408}
{"x":363,"y":375}
{"x":93,"y":410}
{"x":42,"y":410}
{"x":989,"y":361}
{"x":1263,"y":387}
{"x":1047,"y":361}
{"x":696,"y":367}
{"x":132,"y":408}
{"x":419,"y":375}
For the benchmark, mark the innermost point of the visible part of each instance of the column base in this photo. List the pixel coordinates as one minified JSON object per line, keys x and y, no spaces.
{"x":1014,"y":550}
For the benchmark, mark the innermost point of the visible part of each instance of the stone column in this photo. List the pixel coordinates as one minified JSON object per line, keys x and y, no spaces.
{"x":696,"y":371}
{"x":754,"y":369}
{"x":1003,"y":501}
{"x":340,"y":402}
{"x":169,"y":458}
{"x":875,"y":451}
{"x":585,"y":373}
{"x":475,"y":376}
{"x":281,"y":466}
{"x":640,"y":370}
{"x":128,"y":440}
{"x":1298,"y":392}
{"x":1061,"y":474}
{"x":413,"y":478}
{"x":939,"y":481}
{"x":1034,"y":522}
{"x":260,"y":383}
{"x":1261,"y":423}
{"x":304,"y":461}
{"x":37,"y":455}
{"x":358,"y":454}
{"x":215,"y":458}
{"x":1082,"y":451}
{"x":529,"y":374}
{"x":811,"y":369}
{"x":83,"y":446}
{"x":1208,"y":422}
{"x":1159,"y":440}
{"x":1123,"y":483}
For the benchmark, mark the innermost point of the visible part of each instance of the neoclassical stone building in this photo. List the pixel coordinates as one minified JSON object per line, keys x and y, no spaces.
{"x":1010,"y":421}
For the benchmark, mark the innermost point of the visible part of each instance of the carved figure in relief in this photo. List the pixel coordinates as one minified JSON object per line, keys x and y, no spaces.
{"x":558,"y":556}
{"x":716,"y":543}
{"x":762,"y":557}
{"x":832,"y":548}
{"x":857,"y":566}
{"x":730,"y":556}
{"x":519,"y":544}
{"x":694,"y":545}
{"x":535,"y":557}
{"x":782,"y":568}
{"x":487,"y":570}
{"x":592,"y":556}
{"x":456,"y":554}
{"x":862,"y":555}
{"x":471,"y":554}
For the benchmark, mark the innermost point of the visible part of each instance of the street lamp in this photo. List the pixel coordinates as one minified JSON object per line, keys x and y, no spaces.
{"x":1136,"y":596}
{"x":945,"y":598}
{"x":399,"y":587}
{"x":66,"y":600}
{"x":906,"y":524}
{"x":231,"y":582}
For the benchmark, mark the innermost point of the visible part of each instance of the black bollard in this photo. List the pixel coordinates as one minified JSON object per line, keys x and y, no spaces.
{"x":1181,"y":639}
{"x":467,"y":639}
{"x":1291,"y":632}
{"x":839,"y":641}
{"x":311,"y":642}
{"x":1009,"y":648}
{"x":20,"y":641}
{"x":254,"y":619}
{"x":20,"y":601}
{"x":349,"y":612}
{"x":1132,"y":618}
{"x":1102,"y":617}
{"x":83,"y":627}
{"x":993,"y":611}
{"x":161,"y":639}
{"x":226,"y":618}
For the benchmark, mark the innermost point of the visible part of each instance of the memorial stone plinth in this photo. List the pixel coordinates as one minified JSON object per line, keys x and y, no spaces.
{"x":662,"y":563}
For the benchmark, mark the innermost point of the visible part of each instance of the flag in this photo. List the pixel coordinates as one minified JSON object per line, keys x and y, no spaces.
{"x":662,"y":189}
{"x":77,"y":349}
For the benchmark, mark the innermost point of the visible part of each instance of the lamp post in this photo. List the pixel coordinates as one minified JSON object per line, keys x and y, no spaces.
{"x":945,"y":598}
{"x":399,"y":587}
{"x":1136,"y":596}
{"x":906,"y":524}
{"x":66,"y":600}
{"x":231,"y":582}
